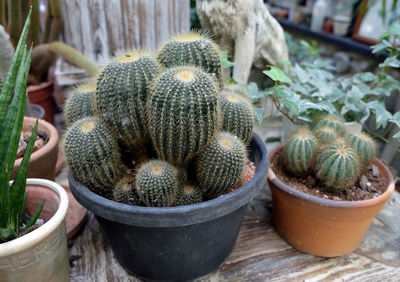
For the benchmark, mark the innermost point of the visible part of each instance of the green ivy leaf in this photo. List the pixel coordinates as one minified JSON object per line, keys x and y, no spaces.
{"x":390,"y":62}
{"x":276,"y":74}
{"x":365,"y":76}
{"x":301,"y":74}
{"x":225,"y":63}
{"x":394,"y":29}
{"x":259,"y":114}
{"x":291,"y":106}
{"x":231,"y":80}
{"x":382,"y":116}
{"x":381,"y":46}
{"x":396,"y":119}
{"x":252,"y":88}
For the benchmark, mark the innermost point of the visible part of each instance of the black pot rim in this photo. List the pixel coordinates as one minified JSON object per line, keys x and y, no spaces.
{"x":175,"y":216}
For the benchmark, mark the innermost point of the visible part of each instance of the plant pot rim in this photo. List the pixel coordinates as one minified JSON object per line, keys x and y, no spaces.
{"x":34,"y":237}
{"x":51,"y":143}
{"x":175,"y":216}
{"x":328,"y":202}
{"x":39,"y":86}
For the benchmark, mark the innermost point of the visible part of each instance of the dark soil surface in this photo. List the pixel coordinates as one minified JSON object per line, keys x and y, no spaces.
{"x":41,"y":140}
{"x":369,"y":185}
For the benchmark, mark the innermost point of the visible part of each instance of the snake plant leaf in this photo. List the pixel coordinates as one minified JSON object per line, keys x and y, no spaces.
{"x":8,"y":87}
{"x":19,"y":184}
{"x":33,"y":219}
{"x":7,"y":234}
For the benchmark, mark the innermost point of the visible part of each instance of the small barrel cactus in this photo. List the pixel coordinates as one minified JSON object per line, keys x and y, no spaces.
{"x":238,"y":117}
{"x":188,"y":195}
{"x":364,"y":146}
{"x":331,"y":121}
{"x":300,"y":152}
{"x":237,"y":89}
{"x":92,"y":154}
{"x":157,"y":183}
{"x":79,"y":103}
{"x":183,"y":113}
{"x":221,"y":165}
{"x":192,"y":49}
{"x":125,"y":192}
{"x":325,"y":135}
{"x":121,"y":95}
{"x":337,"y":166}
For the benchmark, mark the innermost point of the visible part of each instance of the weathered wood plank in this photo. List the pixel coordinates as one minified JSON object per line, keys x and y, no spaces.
{"x":260,"y":254}
{"x":114,"y":22}
{"x":99,"y":33}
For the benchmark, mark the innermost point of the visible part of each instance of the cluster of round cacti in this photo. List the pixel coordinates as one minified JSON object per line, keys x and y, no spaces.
{"x":337,"y":158}
{"x":160,"y":129}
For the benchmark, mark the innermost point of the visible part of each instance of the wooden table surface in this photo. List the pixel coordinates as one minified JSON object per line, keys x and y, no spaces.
{"x":260,"y":254}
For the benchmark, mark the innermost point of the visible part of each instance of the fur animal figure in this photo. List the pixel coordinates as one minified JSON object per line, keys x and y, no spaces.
{"x":247,"y":30}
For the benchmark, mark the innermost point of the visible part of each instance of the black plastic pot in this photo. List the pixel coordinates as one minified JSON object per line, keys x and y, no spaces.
{"x":176,"y":243}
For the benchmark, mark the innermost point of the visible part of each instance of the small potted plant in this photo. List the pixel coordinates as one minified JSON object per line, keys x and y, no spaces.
{"x":185,"y":141}
{"x":29,"y":250}
{"x":326,"y":186}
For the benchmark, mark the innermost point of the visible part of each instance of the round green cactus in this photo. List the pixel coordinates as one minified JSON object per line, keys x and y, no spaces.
{"x":188,"y":195}
{"x":157,"y":183}
{"x":300,"y":152}
{"x":183,"y":113}
{"x":238,"y":117}
{"x":364,"y":146}
{"x":337,"y":166}
{"x":121,"y":95}
{"x":237,"y":89}
{"x":79,"y":103}
{"x":221,"y":165}
{"x":326,"y":135}
{"x":195,"y":49}
{"x":92,"y":154}
{"x":125,"y":192}
{"x":330,"y":121}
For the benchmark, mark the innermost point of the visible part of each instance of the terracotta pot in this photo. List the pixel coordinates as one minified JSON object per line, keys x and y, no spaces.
{"x":323,"y":227}
{"x":43,"y":95}
{"x":40,"y":255}
{"x":43,"y":162}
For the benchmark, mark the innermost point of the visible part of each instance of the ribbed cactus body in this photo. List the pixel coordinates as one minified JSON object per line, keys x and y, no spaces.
{"x":237,"y":89}
{"x":325,"y":135}
{"x":337,"y":166}
{"x":182,"y":113}
{"x":364,"y":146}
{"x":238,"y":117}
{"x":221,"y":164}
{"x":332,"y":122}
{"x":157,"y":183}
{"x":121,"y":95}
{"x":188,"y":195}
{"x":92,"y":154}
{"x":79,"y":103}
{"x":192,"y":49}
{"x":300,"y":152}
{"x":125,"y":192}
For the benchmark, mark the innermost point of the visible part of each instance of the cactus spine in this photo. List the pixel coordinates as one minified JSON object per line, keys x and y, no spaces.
{"x":237,"y":89}
{"x":337,"y":167}
{"x":300,"y":152}
{"x":325,"y":135}
{"x":331,"y":122}
{"x":125,"y":192}
{"x":364,"y":146}
{"x":238,"y":115}
{"x":121,"y":95}
{"x":192,"y":49}
{"x":221,"y":165}
{"x":182,"y":113}
{"x":79,"y":103}
{"x":157,"y":183}
{"x":92,"y":155}
{"x":188,"y":195}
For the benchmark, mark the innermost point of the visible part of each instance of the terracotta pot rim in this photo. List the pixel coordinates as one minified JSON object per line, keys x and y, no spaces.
{"x":52,"y":142}
{"x":328,"y":202}
{"x":34,"y":237}
{"x":39,"y":86}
